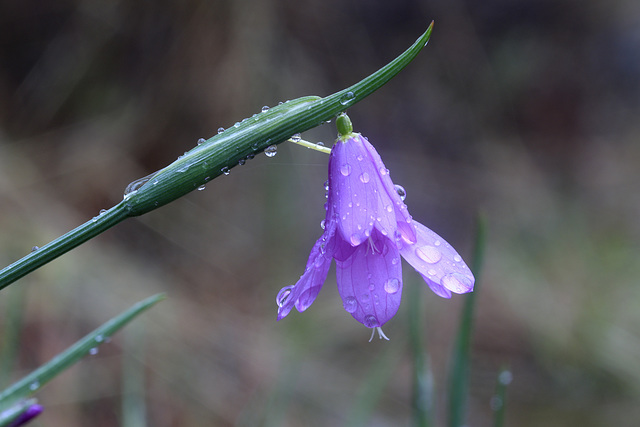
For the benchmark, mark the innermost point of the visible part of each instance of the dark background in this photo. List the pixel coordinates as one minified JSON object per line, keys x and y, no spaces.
{"x":526,"y":110}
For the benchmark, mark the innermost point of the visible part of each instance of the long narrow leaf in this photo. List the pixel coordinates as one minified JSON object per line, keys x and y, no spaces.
{"x":459,"y":376}
{"x":36,"y":379}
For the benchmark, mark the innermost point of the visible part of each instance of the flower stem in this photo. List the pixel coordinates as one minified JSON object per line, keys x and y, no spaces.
{"x":311,"y":145}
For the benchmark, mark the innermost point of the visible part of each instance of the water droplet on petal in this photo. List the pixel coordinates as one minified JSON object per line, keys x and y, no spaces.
{"x":201,"y":141}
{"x":401,"y":192}
{"x":384,"y":171}
{"x":322,"y":224}
{"x":372,"y":286}
{"x":457,"y":258}
{"x":345,"y":169}
{"x":296,"y":137}
{"x":392,"y":286}
{"x":364,"y":177}
{"x":350,"y":304}
{"x":370,"y":321}
{"x":347,"y":98}
{"x":432,"y":272}
{"x":271,"y":151}
{"x":225,"y":170}
{"x":389,"y":208}
{"x":436,"y":243}
{"x":429,"y":254}
{"x":326,"y":185}
{"x":283,"y":295}
{"x":355,"y":239}
{"x":456,"y":282}
{"x":359,"y":157}
{"x":201,"y":187}
{"x":265,"y":109}
{"x":394,"y":261}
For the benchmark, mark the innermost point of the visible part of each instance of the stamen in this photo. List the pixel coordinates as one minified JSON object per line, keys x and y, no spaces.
{"x":311,"y":145}
{"x":381,"y":334}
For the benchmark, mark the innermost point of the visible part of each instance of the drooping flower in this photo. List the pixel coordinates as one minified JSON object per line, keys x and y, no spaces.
{"x":367,"y":228}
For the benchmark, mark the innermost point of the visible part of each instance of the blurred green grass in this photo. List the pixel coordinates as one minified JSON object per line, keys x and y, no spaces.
{"x":525,"y":110}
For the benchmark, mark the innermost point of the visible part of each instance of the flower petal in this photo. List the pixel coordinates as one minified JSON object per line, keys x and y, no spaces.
{"x":356,"y":194}
{"x":438,"y":263}
{"x":389,"y":198}
{"x":305,"y":291}
{"x":370,"y":281}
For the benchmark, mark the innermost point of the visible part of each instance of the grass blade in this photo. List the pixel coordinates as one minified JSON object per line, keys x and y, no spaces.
{"x":36,"y":379}
{"x":459,"y":375}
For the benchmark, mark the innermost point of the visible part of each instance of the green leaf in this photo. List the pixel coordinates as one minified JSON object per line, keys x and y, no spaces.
{"x":459,"y":376}
{"x":25,"y":387}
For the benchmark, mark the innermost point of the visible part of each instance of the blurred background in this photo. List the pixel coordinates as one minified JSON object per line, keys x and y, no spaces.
{"x":526,"y":110}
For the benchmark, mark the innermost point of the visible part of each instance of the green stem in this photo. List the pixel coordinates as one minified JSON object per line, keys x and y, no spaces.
{"x":62,"y":244}
{"x":216,"y":156}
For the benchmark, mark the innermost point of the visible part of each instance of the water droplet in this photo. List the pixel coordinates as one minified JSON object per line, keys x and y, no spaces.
{"x":201,"y":141}
{"x":389,"y":208}
{"x":432,"y":272}
{"x":391,"y":286}
{"x":220,"y":130}
{"x":347,"y":98}
{"x":265,"y":109}
{"x":372,"y":286}
{"x":356,"y":239}
{"x":283,"y":295}
{"x":401,"y":192}
{"x":242,"y":162}
{"x":322,"y":224}
{"x":225,"y":170}
{"x":271,"y":151}
{"x":457,"y":258}
{"x":384,"y":171}
{"x":495,"y":403}
{"x":296,"y":137}
{"x":320,"y":144}
{"x":34,"y":385}
{"x":135,"y":185}
{"x":326,"y":185}
{"x":93,"y":351}
{"x":359,"y":157}
{"x":436,"y":243}
{"x":350,"y":304}
{"x":345,"y":169}
{"x":505,"y":377}
{"x":457,"y":282}
{"x":370,"y":321}
{"x":429,"y":254}
{"x":394,"y":261}
{"x":35,"y":248}
{"x":99,"y":338}
{"x":250,"y":156}
{"x":364,"y":177}
{"x":200,"y":188}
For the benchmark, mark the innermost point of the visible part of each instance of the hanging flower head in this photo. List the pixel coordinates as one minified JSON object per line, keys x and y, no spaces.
{"x":367,"y":228}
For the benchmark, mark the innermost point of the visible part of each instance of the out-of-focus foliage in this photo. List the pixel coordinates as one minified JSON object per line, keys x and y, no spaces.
{"x":525,"y":109}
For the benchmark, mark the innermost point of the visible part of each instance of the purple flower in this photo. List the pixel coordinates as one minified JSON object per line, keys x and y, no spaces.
{"x":367,"y":228}
{"x":28,"y":415}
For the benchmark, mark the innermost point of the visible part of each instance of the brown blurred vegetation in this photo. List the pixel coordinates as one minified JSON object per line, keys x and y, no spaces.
{"x":527,"y":110}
